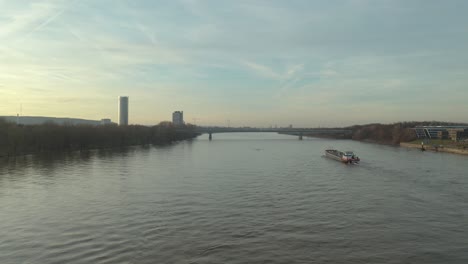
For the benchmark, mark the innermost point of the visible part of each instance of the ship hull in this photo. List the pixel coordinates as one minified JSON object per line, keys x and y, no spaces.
{"x":334,"y":154}
{"x":341,"y":156}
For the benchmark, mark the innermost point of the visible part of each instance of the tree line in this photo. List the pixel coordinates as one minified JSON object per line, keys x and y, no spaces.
{"x":48,"y":137}
{"x":392,"y":133}
{"x":384,"y":133}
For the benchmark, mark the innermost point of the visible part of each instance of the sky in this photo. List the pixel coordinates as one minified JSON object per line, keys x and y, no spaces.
{"x":245,"y":63}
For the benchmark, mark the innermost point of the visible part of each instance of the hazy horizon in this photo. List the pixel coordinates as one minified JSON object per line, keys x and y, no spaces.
{"x":254,"y":63}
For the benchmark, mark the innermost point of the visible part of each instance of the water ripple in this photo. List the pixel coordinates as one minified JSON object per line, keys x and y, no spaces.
{"x":221,"y":202}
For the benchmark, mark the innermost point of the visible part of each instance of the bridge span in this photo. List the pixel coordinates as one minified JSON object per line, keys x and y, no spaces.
{"x":287,"y":131}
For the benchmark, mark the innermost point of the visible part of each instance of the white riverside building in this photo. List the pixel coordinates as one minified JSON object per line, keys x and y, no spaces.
{"x":106,"y":121}
{"x":123,"y":110}
{"x":178,"y":118}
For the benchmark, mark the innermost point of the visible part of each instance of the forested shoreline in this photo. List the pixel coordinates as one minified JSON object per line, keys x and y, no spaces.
{"x":49,"y":137}
{"x":26,"y":139}
{"x":391,"y":134}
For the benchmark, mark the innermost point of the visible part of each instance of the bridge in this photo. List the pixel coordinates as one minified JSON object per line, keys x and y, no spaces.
{"x":300,"y":132}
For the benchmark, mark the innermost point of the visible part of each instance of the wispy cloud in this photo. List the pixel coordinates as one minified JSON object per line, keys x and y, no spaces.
{"x":36,"y":15}
{"x":148,"y":33}
{"x":263,"y":70}
{"x":291,"y":53}
{"x":267,"y":72}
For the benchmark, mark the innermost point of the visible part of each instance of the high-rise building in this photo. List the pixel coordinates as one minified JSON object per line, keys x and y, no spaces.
{"x":178,"y":118}
{"x":123,"y":110}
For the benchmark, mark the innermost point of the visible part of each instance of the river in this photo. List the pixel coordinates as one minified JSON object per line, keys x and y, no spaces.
{"x":241,"y":198}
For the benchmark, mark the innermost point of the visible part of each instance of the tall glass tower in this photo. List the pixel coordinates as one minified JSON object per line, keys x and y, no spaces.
{"x":123,"y":110}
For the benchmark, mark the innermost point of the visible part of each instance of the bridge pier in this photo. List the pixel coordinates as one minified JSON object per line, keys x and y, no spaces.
{"x":300,"y":136}
{"x":210,"y":137}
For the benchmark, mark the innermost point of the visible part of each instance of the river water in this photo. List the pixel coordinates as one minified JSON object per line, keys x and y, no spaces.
{"x":241,"y":198}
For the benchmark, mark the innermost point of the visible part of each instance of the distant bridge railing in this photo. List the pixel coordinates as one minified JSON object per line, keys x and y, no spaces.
{"x":204,"y":130}
{"x":288,"y":131}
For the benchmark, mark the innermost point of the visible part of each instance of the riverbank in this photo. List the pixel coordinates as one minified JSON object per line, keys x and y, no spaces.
{"x":30,"y":139}
{"x":401,"y":134}
{"x":436,"y":148}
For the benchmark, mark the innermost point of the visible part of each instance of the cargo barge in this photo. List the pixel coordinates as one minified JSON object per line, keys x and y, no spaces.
{"x":347,"y":157}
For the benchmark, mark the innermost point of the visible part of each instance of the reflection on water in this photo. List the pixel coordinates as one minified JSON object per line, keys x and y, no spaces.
{"x":241,"y":198}
{"x":48,"y":162}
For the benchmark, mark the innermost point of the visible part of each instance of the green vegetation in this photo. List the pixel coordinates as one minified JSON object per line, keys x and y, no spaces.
{"x":17,"y":140}
{"x":384,"y":133}
{"x":393,"y":133}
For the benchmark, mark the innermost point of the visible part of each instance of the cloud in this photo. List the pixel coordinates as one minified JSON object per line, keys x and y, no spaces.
{"x":268,"y":72}
{"x":263,"y":70}
{"x":293,"y":70}
{"x":26,"y":21}
{"x":148,"y":33}
{"x":265,"y":53}
{"x":326,"y":73}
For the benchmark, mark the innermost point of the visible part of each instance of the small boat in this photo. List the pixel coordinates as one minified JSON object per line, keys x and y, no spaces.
{"x":347,"y":157}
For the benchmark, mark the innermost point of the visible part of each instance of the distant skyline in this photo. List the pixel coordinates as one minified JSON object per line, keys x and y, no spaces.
{"x":249,"y":63}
